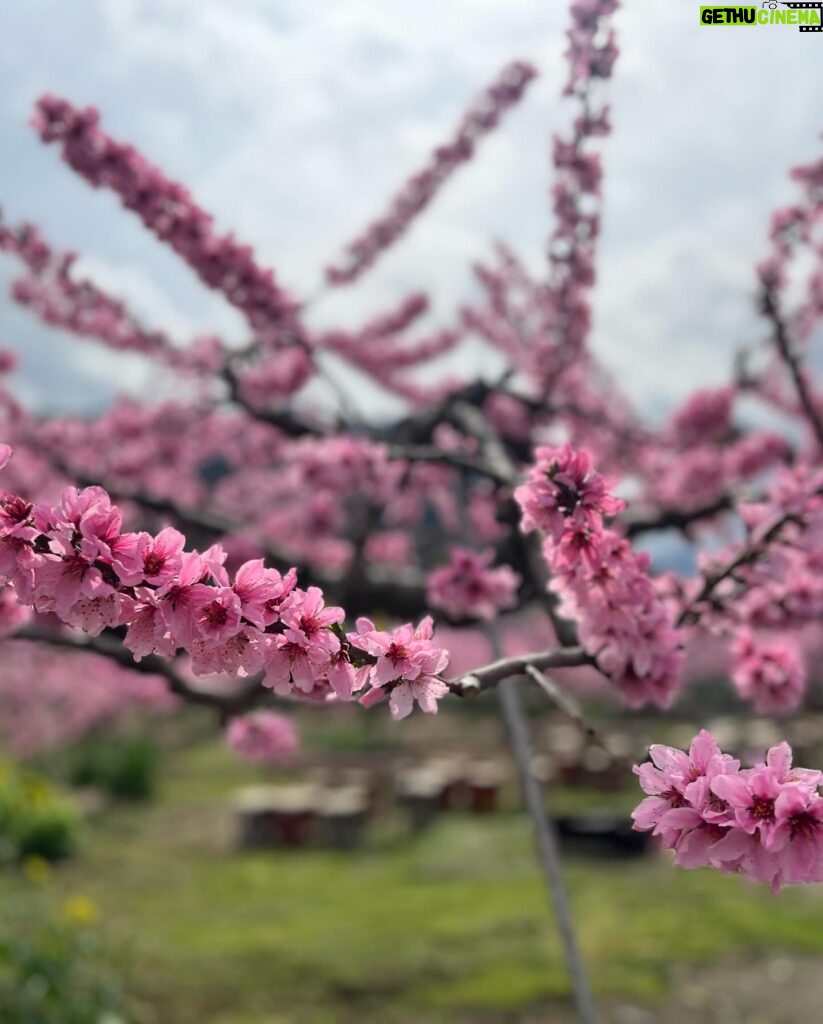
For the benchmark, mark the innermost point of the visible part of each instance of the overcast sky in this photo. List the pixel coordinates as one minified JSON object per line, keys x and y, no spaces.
{"x":293,"y":121}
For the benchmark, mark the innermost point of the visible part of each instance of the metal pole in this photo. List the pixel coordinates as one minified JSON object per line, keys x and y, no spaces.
{"x":548,"y":852}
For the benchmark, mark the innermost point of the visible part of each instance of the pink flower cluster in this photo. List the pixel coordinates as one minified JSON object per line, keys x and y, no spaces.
{"x":407,"y":666}
{"x":168,"y":211}
{"x":383,"y":358}
{"x":416,"y":194}
{"x":49,"y":702}
{"x":469,"y":588}
{"x":564,"y":493}
{"x":775,"y":578}
{"x":562,"y":304}
{"x":771,"y":674}
{"x":602,"y":583}
{"x":263,"y":736}
{"x":764,"y":822}
{"x":592,"y":46}
{"x":74,"y":561}
{"x":275,"y":377}
{"x":705,"y":417}
{"x":542,"y":327}
{"x":697,"y":471}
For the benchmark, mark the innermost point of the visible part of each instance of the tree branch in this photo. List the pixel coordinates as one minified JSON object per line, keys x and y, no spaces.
{"x":568,"y":705}
{"x":394,"y":591}
{"x":110,"y":646}
{"x":282,"y":419}
{"x":791,"y":360}
{"x":455,"y":459}
{"x":490,"y":675}
{"x":675,"y":519}
{"x":748,"y":554}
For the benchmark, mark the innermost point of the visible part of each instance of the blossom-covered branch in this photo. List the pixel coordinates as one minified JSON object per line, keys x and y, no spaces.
{"x":168,"y":211}
{"x":416,"y":194}
{"x":74,"y":561}
{"x":602,"y":583}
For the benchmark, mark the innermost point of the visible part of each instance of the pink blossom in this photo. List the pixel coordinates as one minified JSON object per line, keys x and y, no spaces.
{"x":306,"y":611}
{"x":602,"y":583}
{"x":798,"y":835}
{"x":243,"y":653}
{"x":62,"y":581}
{"x":779,"y":759}
{"x":13,"y":614}
{"x":426,"y":690}
{"x":301,"y":654}
{"x":139,"y":557}
{"x":770,"y":674}
{"x":404,"y":653}
{"x":217,"y":619}
{"x":169,"y":599}
{"x":343,"y":677}
{"x":262,"y":736}
{"x":294,"y":661}
{"x":469,"y":588}
{"x":182,"y":597}
{"x":406,"y":664}
{"x":674,"y":779}
{"x":564,"y":489}
{"x":765,"y":822}
{"x":148,"y":632}
{"x":706,"y":416}
{"x":94,"y":614}
{"x":262,"y":591}
{"x":16,"y":515}
{"x":751,"y":796}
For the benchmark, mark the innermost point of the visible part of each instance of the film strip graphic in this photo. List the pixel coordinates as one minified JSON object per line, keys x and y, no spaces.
{"x":818,"y":6}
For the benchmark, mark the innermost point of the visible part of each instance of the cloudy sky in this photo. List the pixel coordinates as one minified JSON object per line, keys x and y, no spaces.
{"x":293,"y":121}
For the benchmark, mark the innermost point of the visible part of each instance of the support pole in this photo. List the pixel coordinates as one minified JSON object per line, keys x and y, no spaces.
{"x":548,"y":852}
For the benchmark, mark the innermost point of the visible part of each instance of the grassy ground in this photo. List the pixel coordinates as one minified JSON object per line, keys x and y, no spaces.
{"x":432,"y":929}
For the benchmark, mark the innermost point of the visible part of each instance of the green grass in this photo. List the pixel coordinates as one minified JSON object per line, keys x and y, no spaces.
{"x":424,"y":929}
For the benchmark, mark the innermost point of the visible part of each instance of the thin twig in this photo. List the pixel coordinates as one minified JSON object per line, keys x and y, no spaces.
{"x":787,"y":353}
{"x":569,"y":706}
{"x":691,"y":613}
